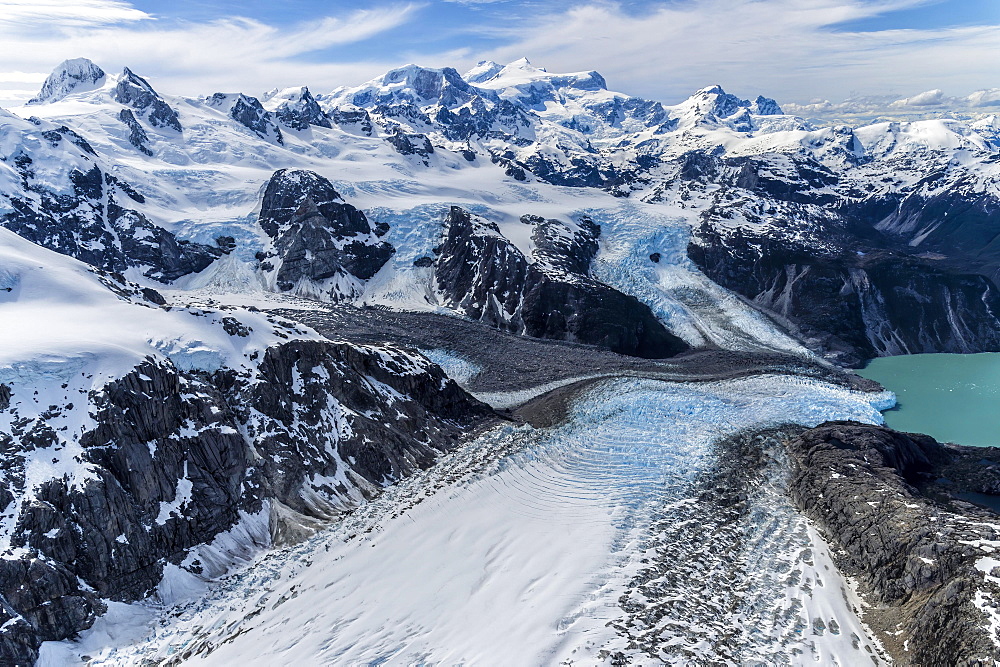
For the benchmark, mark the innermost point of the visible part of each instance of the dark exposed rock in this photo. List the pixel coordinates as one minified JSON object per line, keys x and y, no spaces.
{"x":957,"y":224}
{"x":137,"y":136}
{"x":300,"y":113}
{"x":175,"y":456}
{"x":226,"y":244}
{"x":912,"y":546}
{"x":483,"y":275}
{"x":40,"y":601}
{"x":91,"y":226}
{"x":765,"y":106}
{"x":234,"y":327}
{"x":134,"y":91}
{"x":408,"y":143}
{"x":850,"y":304}
{"x":357,"y":117}
{"x":321,"y":246}
{"x":153,"y":296}
{"x":146,"y":245}
{"x":248,"y":112}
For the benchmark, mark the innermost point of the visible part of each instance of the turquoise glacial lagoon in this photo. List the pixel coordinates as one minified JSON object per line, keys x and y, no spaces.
{"x":952,"y":397}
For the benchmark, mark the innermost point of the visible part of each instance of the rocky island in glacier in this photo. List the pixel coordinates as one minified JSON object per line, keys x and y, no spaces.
{"x":496,"y":367}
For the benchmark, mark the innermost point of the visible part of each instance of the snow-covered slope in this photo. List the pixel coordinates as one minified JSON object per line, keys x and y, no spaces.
{"x":537,"y":535}
{"x":132,"y":431}
{"x":508,"y":141}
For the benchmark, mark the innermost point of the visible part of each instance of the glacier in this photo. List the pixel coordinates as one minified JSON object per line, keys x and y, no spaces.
{"x":533,"y":534}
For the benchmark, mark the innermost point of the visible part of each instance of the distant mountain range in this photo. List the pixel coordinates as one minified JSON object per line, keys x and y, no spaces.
{"x":537,"y":203}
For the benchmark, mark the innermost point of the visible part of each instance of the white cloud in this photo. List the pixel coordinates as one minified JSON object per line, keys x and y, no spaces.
{"x":929,"y":98}
{"x":197,"y":58}
{"x":786,"y":49}
{"x":22,"y":14}
{"x":985,"y":98}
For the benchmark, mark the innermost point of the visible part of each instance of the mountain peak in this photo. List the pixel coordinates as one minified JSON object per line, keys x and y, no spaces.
{"x":524,"y":63}
{"x":411,"y":84}
{"x":484,"y":71}
{"x":134,"y":91}
{"x":711,"y":90}
{"x":129,"y":77}
{"x":73,"y":75}
{"x":765,"y":106}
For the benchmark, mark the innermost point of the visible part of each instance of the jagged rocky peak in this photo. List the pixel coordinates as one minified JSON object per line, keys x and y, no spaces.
{"x":74,"y":75}
{"x":714,"y":101}
{"x":321,"y":247}
{"x":713,"y":106}
{"x":82,"y":209}
{"x":765,"y":106}
{"x":172,"y":458}
{"x":134,"y":91}
{"x":250,"y":113}
{"x":297,"y":109}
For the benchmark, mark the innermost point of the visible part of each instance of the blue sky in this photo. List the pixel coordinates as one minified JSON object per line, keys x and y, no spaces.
{"x":794,"y":50}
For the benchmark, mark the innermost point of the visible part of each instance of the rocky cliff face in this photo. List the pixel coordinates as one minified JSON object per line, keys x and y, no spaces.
{"x":853,"y":306}
{"x":924,"y":559}
{"x":483,"y":275}
{"x":134,"y":91}
{"x":248,"y":112}
{"x":175,"y":458}
{"x":835,"y":272}
{"x":321,"y":246}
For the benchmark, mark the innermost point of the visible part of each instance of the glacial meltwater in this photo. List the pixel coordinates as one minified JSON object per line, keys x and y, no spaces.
{"x":952,"y":397}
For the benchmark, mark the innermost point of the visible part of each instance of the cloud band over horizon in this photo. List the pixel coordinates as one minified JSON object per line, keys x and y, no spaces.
{"x":797,"y":51}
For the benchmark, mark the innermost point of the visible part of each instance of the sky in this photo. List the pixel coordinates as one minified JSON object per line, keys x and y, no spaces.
{"x":801,"y":52}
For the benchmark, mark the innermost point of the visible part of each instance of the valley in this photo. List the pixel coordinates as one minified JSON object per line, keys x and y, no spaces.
{"x":501,"y":367}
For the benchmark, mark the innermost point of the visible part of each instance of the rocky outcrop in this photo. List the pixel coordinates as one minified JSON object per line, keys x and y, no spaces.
{"x":248,"y":112}
{"x":353,"y":118}
{"x":483,"y":275}
{"x":955,"y":224}
{"x":301,"y":112}
{"x":409,"y":143}
{"x":137,"y":136}
{"x":321,"y":246}
{"x":175,"y":458}
{"x":849,"y":298}
{"x":134,"y":91}
{"x":40,"y":601}
{"x":924,"y":559}
{"x":92,"y":222}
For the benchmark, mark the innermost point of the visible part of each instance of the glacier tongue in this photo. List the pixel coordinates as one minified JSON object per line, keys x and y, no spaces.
{"x":537,"y":535}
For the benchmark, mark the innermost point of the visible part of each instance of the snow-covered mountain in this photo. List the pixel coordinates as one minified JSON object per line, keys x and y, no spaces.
{"x":540,"y":204}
